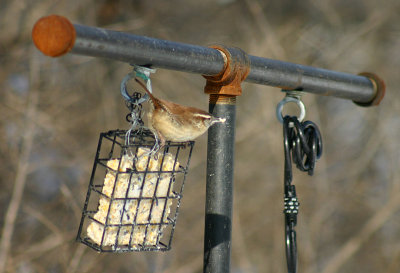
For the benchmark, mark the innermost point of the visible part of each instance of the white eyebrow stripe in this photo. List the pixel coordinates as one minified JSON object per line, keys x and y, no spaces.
{"x":202,"y":115}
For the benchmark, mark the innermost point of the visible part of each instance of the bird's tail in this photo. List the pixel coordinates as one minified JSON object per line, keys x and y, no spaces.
{"x":153,"y":99}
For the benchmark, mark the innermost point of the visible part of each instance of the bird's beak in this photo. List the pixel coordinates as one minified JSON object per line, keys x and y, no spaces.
{"x":217,"y":120}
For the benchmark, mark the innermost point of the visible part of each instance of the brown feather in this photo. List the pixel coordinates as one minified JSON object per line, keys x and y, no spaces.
{"x":175,"y":122}
{"x":183,"y":114}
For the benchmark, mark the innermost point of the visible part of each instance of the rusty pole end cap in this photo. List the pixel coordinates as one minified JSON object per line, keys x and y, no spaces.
{"x":53,"y":35}
{"x":379,"y":87}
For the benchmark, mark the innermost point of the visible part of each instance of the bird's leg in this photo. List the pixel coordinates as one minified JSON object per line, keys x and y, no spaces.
{"x":159,"y":142}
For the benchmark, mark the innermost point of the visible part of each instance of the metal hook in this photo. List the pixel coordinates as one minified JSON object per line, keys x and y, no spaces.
{"x":302,"y":144}
{"x":291,"y":247}
{"x":134,"y":102}
{"x":291,"y":209}
{"x":291,"y":96}
{"x":140,"y":72}
{"x":291,"y":203}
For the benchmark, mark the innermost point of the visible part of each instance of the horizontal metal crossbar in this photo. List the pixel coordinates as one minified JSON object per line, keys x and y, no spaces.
{"x":55,"y":35}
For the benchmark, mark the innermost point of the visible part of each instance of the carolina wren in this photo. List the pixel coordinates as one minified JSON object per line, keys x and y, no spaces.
{"x":175,"y":122}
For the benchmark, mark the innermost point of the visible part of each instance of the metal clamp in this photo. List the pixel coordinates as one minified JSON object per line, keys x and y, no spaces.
{"x":226,"y":85}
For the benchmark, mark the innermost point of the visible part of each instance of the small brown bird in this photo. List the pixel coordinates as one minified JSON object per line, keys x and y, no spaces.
{"x":175,"y":122}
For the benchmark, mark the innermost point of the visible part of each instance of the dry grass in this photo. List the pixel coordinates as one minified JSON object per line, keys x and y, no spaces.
{"x":52,"y":111}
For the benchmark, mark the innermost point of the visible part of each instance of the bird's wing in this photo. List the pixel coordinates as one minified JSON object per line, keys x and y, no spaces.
{"x":183,"y":114}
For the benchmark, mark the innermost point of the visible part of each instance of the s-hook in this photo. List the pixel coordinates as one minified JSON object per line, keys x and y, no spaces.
{"x":302,"y":143}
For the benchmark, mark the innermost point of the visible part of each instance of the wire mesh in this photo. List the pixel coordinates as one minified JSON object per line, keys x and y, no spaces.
{"x":134,"y":195}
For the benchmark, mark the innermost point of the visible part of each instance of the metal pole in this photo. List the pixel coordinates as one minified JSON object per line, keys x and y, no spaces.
{"x":141,"y":50}
{"x":55,"y":36}
{"x":219,"y":189}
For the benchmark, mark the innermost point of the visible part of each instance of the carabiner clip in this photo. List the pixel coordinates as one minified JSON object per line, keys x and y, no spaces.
{"x":291,"y":210}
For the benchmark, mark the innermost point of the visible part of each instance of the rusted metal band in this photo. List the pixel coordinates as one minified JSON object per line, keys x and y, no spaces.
{"x":379,"y":87}
{"x":222,"y":99}
{"x":54,"y":35}
{"x":228,"y":81}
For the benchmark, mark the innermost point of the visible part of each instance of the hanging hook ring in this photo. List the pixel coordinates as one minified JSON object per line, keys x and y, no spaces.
{"x":288,"y":99}
{"x":125,"y":93}
{"x":141,"y":72}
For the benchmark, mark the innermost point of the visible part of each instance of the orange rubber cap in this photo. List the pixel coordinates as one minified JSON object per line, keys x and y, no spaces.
{"x":53,"y":35}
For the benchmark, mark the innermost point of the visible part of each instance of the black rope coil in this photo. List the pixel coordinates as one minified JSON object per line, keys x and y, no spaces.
{"x":303,"y":145}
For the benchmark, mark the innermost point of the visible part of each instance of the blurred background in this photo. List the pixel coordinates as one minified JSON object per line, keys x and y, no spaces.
{"x":52,"y":111}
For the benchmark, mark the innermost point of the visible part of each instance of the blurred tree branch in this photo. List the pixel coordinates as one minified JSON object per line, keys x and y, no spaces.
{"x":23,"y":164}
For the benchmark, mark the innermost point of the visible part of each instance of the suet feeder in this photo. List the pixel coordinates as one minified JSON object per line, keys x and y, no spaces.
{"x":134,"y":193}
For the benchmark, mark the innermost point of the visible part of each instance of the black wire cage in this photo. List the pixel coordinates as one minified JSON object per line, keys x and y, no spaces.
{"x":134,"y":194}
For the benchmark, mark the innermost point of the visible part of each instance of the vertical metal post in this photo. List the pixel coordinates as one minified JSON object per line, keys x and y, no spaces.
{"x":219,"y":189}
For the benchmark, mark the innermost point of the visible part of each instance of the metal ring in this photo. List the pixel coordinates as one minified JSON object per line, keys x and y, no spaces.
{"x":285,"y":100}
{"x":125,"y":93}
